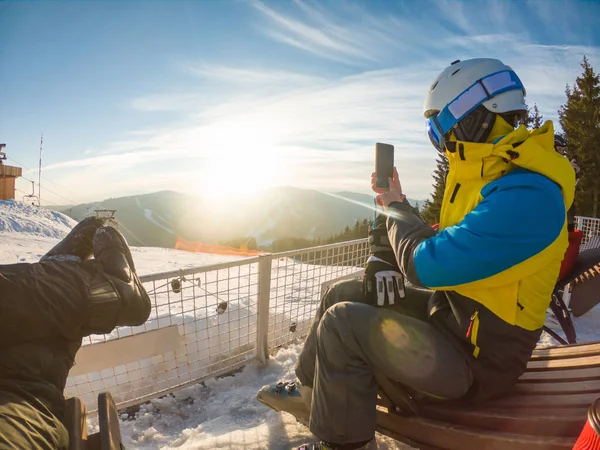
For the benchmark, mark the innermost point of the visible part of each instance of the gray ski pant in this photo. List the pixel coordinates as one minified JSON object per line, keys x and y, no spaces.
{"x":350,"y":339}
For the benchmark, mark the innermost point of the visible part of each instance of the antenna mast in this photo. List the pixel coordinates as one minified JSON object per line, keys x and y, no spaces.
{"x":40,"y":173}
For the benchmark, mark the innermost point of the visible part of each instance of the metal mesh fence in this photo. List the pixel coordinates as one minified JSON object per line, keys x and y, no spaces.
{"x":296,"y":280}
{"x":212,"y":315}
{"x":204,"y":323}
{"x":590,"y":227}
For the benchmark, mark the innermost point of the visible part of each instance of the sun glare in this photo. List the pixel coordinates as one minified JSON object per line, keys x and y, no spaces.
{"x":241,"y":159}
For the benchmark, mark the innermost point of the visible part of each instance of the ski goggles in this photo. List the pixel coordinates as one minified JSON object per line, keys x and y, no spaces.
{"x":439,"y":125}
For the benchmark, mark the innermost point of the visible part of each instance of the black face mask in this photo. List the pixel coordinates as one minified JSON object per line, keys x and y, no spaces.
{"x":476,"y":126}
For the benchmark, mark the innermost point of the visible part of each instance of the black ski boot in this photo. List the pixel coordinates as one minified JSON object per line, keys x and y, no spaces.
{"x":117,"y":297}
{"x":78,"y":244}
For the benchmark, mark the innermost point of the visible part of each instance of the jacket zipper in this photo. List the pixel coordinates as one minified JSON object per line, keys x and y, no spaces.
{"x":454,"y":192}
{"x":473,"y":331}
{"x":448,"y":183}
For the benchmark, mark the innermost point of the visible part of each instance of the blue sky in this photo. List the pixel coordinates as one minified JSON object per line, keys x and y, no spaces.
{"x":227,"y":97}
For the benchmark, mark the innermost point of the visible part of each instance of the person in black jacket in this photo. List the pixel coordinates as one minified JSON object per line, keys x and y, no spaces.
{"x":46,"y":309}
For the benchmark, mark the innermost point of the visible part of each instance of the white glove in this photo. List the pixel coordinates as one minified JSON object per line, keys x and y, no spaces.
{"x":387,"y":281}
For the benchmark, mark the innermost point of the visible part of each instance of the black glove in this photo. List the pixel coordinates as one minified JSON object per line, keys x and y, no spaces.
{"x":383,"y":283}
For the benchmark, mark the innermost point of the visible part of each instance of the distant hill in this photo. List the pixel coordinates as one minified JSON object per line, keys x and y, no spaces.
{"x":157,"y":219}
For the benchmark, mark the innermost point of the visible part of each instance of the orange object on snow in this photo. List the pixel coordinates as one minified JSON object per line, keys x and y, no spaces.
{"x":215,"y":249}
{"x":589,"y":439}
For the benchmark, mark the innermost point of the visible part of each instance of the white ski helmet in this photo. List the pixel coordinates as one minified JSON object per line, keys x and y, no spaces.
{"x":464,"y":86}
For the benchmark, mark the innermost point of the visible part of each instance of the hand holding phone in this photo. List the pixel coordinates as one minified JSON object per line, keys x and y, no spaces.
{"x":386,"y":197}
{"x":384,"y":164}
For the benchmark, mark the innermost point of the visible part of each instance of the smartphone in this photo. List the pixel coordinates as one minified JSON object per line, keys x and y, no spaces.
{"x":384,"y":164}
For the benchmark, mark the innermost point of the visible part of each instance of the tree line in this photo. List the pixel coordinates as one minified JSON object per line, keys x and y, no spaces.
{"x":358,"y":230}
{"x":579,"y":118}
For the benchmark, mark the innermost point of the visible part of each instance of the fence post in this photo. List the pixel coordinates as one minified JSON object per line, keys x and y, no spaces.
{"x":264,"y":294}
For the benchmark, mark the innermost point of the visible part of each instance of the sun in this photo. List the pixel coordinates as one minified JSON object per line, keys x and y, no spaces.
{"x":241,"y":158}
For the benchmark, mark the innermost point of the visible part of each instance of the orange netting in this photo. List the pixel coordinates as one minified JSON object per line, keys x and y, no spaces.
{"x":189,"y":246}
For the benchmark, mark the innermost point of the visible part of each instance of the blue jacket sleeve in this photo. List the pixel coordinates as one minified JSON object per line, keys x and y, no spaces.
{"x":512,"y":223}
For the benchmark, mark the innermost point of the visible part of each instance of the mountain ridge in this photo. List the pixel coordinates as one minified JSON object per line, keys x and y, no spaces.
{"x":157,"y":219}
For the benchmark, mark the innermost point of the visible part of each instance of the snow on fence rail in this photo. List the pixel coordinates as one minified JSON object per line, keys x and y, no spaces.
{"x":212,"y":320}
{"x":209,"y":321}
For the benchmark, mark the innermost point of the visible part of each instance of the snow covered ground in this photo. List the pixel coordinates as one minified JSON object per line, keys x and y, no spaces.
{"x":27,"y":232}
{"x":224,"y":414}
{"x":221,"y":413}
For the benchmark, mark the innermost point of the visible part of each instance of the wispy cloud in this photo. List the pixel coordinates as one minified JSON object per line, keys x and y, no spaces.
{"x":222,"y":83}
{"x":319,"y":33}
{"x":293,"y":127}
{"x":238,"y":75}
{"x":455,"y":13}
{"x":322,"y":137}
{"x":165,"y":102}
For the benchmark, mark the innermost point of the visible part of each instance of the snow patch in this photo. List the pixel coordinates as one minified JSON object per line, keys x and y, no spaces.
{"x":21,"y":218}
{"x":27,"y":232}
{"x":149,"y":215}
{"x":224,"y":414}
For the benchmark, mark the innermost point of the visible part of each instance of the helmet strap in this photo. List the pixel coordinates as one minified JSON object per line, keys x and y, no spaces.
{"x":512,"y":118}
{"x":475,"y":126}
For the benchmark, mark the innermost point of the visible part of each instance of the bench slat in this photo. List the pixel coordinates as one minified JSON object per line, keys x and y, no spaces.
{"x":454,"y":437}
{"x":549,"y":401}
{"x":540,"y":423}
{"x":570,"y":387}
{"x":567,"y":351}
{"x":76,"y":423}
{"x":561,"y":375}
{"x":541,"y":411}
{"x":108,"y":422}
{"x":549,"y":364}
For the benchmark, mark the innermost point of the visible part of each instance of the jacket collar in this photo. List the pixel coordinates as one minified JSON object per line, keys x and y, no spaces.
{"x":520,"y":148}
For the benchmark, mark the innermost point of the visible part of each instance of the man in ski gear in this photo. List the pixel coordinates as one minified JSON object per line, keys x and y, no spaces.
{"x":477,"y":288}
{"x":46,"y":309}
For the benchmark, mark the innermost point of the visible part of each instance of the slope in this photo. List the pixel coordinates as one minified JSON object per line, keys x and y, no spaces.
{"x":157,"y":219}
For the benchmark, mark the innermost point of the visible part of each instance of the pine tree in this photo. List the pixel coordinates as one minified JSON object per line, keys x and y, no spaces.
{"x":532,"y":118}
{"x":356,"y":230}
{"x":526,"y":119}
{"x":537,"y":119}
{"x":580,"y":120}
{"x":431,"y":210}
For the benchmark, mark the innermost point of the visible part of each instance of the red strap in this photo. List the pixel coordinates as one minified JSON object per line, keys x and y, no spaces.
{"x":571,"y":254}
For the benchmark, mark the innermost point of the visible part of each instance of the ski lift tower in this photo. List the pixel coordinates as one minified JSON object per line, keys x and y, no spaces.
{"x":8,"y":175}
{"x":108,"y":215}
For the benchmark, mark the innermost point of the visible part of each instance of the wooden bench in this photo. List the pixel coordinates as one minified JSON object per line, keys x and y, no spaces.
{"x":546,"y":411}
{"x":76,"y":424}
{"x":109,"y":435}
